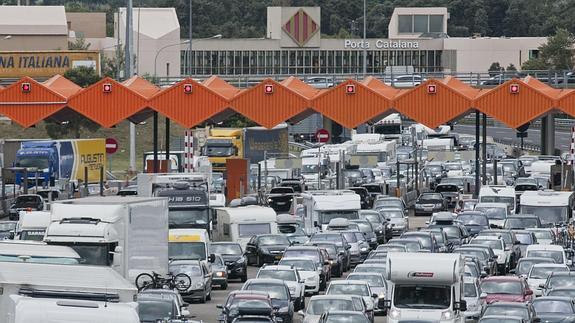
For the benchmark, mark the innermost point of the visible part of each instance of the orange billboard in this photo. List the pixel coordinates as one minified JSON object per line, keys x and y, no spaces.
{"x":16,"y":64}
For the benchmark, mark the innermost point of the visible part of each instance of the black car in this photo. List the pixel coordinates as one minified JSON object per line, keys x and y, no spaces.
{"x":429,"y":203}
{"x":241,"y":303}
{"x":334,"y":237}
{"x":281,"y":198}
{"x":266,"y":248}
{"x":233,"y":257}
{"x":365,"y":199}
{"x":7,"y":229}
{"x":375,"y":190}
{"x":380,"y":224}
{"x":28,"y":202}
{"x":474,"y":221}
{"x":279,"y":293}
{"x":336,"y":257}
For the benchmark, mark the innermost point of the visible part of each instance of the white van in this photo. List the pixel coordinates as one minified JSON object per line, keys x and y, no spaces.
{"x":239,"y":224}
{"x":425,"y":285}
{"x":499,"y":194}
{"x":551,"y":207}
{"x":32,"y":225}
{"x":188,"y":243}
{"x":323,"y":206}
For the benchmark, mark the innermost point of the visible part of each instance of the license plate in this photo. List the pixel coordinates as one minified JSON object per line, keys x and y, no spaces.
{"x":281,"y":203}
{"x":428,"y":209}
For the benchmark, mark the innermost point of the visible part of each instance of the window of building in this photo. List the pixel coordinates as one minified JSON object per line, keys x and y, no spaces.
{"x":436,"y":23}
{"x":420,"y":23}
{"x":405,"y":24}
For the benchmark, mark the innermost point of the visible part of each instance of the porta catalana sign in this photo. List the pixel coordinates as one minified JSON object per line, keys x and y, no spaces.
{"x":45,"y":63}
{"x":381,"y":44}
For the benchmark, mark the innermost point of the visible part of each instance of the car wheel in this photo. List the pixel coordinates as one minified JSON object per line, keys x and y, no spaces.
{"x":224,"y":286}
{"x":209,"y":296}
{"x":203,"y":299}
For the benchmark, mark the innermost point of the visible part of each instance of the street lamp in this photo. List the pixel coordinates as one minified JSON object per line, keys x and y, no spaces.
{"x":7,"y":37}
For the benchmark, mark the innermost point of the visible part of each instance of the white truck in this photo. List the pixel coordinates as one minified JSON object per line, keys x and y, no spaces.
{"x":128,"y":233}
{"x":59,"y":282}
{"x":239,"y":224}
{"x":438,"y":144}
{"x":32,"y":225}
{"x":37,"y":252}
{"x":323,"y":206}
{"x":425,"y":286}
{"x":551,"y":207}
{"x":385,"y":151}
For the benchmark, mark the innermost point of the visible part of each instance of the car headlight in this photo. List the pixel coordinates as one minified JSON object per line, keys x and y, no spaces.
{"x":363,"y":249}
{"x":446,"y":315}
{"x":241,"y":260}
{"x":198,"y":285}
{"x":394,"y":314}
{"x":220,"y":274}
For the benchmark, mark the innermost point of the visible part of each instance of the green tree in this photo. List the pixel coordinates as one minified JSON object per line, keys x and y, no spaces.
{"x":113,"y":64}
{"x":494,"y":69}
{"x":76,"y":123}
{"x":511,"y":68}
{"x":79,"y":44}
{"x":556,"y":54}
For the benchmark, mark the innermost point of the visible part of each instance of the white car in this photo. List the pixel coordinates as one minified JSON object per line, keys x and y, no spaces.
{"x":307,"y":272}
{"x":497,"y":244}
{"x":291,"y":278}
{"x":404,"y":81}
{"x":353,"y":287}
{"x":544,"y":236}
{"x":495,"y":212}
{"x":539,"y":273}
{"x":472,"y":295}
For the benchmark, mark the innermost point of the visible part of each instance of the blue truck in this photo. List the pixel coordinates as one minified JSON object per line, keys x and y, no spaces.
{"x":61,"y":159}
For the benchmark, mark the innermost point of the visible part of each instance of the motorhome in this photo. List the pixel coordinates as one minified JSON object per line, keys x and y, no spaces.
{"x":70,"y":282}
{"x":385,"y":151}
{"x":188,"y":244}
{"x":322,"y":206}
{"x":128,"y":233}
{"x":441,"y":144}
{"x":499,"y":194}
{"x":425,"y":286}
{"x":551,"y":207}
{"x":32,"y":225}
{"x":37,"y":252}
{"x":239,"y":224}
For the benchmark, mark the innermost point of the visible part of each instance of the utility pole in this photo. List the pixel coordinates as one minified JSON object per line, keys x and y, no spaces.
{"x":129,"y":71}
{"x":364,"y":39}
{"x":190,"y":49}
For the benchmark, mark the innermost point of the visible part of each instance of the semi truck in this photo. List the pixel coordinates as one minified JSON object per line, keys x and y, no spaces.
{"x":62,"y":159}
{"x":127,"y":233}
{"x":250,"y":143}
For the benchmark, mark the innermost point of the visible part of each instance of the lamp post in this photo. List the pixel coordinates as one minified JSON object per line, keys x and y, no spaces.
{"x":364,"y":38}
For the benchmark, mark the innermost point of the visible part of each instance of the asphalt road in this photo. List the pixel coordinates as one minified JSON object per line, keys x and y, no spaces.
{"x":562,"y":138}
{"x":208,"y":312}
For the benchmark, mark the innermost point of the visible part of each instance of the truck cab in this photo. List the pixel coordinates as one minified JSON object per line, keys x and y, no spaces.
{"x":188,"y":206}
{"x":221,"y":144}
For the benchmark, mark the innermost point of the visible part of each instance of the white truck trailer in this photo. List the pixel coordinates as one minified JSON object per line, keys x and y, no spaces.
{"x":128,"y":233}
{"x":425,"y":286}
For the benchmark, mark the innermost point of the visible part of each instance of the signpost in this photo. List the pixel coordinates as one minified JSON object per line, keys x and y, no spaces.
{"x":111,"y":148}
{"x":322,"y":136}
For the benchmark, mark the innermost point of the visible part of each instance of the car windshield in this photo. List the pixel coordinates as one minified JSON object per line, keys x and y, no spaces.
{"x":494,"y":244}
{"x":552,"y":306}
{"x":320,"y":306}
{"x":480,"y":255}
{"x":510,"y":201}
{"x":373,"y":218}
{"x":556,"y":255}
{"x":560,"y":281}
{"x":468,"y":219}
{"x":288,"y":275}
{"x":424,"y":239}
{"x":370,"y":269}
{"x":524,"y":238}
{"x":393,"y":214}
{"x":299,"y":264}
{"x":568,"y":292}
{"x":275,"y":291}
{"x":471,"y":271}
{"x":350,"y":237}
{"x":336,"y":238}
{"x":446,"y":188}
{"x":469,"y":290}
{"x":501,"y":287}
{"x":190,"y":270}
{"x":452,"y":232}
{"x":219,"y":151}
{"x":543,"y":234}
{"x":346,"y":318}
{"x":372,"y":280}
{"x":327,"y":216}
{"x":547,"y":214}
{"x":524,"y":265}
{"x":187,"y":250}
{"x":506,"y":236}
{"x":253,"y":229}
{"x":273,"y":240}
{"x":348,"y":289}
{"x":493,"y":213}
{"x":520,"y":311}
{"x":512,"y":223}
{"x":298,"y":253}
{"x":388,"y":203}
{"x":226,"y":249}
{"x":188,"y":216}
{"x":422,"y":297}
{"x":453,"y":166}
{"x":538,"y":272}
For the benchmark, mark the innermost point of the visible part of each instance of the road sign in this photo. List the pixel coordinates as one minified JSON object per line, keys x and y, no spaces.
{"x":522,"y":134}
{"x":111,"y":145}
{"x":322,"y":136}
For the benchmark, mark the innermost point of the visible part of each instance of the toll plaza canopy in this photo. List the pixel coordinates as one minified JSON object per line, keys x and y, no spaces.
{"x":351,"y":103}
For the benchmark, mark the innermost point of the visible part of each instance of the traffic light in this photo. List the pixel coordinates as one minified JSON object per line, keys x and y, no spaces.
{"x":26,"y":87}
{"x":350,"y":89}
{"x":268,"y":88}
{"x":431,"y":89}
{"x":514,"y":88}
{"x":107,"y":88}
{"x":187,"y":88}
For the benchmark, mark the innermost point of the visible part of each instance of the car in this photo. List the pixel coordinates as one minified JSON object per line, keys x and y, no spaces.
{"x":491,"y":256}
{"x":520,"y":222}
{"x":152,"y":308}
{"x":219,"y":272}
{"x":505,"y":289}
{"x":472,"y":296}
{"x":472,"y":268}
{"x":544,"y":236}
{"x":558,"y":280}
{"x":343,"y":316}
{"x":8,"y":230}
{"x":201,"y":276}
{"x":487,"y":265}
{"x":412,"y":245}
{"x":307,"y":271}
{"x":390,"y":247}
{"x":427,"y":240}
{"x":336,"y":258}
{"x":320,"y":304}
{"x":358,"y":250}
{"x":567,"y":291}
{"x":314,"y":253}
{"x":473,"y":221}
{"x":398,"y":220}
{"x":497,"y":244}
{"x":553,"y":308}
{"x":496,"y":212}
{"x":523,"y":310}
{"x":266,"y":248}
{"x":525,"y":239}
{"x":371,"y":268}
{"x":281,"y":198}
{"x":511,"y":243}
{"x":289,"y":275}
{"x":450,"y":192}
{"x":337,"y":238}
{"x":279,"y":294}
{"x":502,"y":319}
{"x":357,"y":288}
{"x":441,"y":238}
{"x":406,"y":81}
{"x":524,"y":265}
{"x":24,"y":202}
{"x":166,"y":293}
{"x":376,"y":283}
{"x":386,"y":202}
{"x":428,"y":203}
{"x":380,"y":224}
{"x":368,"y":232}
{"x":549,"y":251}
{"x":233,"y":257}
{"x":539,"y":273}
{"x":241,"y":299}
{"x":365,"y":199}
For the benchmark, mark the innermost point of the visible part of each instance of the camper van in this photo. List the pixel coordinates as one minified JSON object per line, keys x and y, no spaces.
{"x":239,"y":224}
{"x":499,"y":194}
{"x":323,"y":206}
{"x":551,"y":207}
{"x":425,"y":286}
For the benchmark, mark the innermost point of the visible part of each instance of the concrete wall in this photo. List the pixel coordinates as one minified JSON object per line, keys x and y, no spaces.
{"x":89,"y":24}
{"x":393,"y":26}
{"x":34,"y":42}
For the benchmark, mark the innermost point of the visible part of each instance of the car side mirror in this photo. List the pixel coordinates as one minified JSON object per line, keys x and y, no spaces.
{"x":301,"y":313}
{"x":460,"y":306}
{"x":348,"y":247}
{"x":184,"y":304}
{"x":211,"y":258}
{"x":516,"y":242}
{"x":220,"y":306}
{"x":315,"y":224}
{"x":326,"y":262}
{"x":512,"y":271}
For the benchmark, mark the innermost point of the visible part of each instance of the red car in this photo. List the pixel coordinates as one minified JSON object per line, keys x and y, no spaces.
{"x":505,"y":289}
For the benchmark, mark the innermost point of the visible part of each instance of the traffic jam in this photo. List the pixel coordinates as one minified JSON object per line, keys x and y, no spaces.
{"x":387,"y":226}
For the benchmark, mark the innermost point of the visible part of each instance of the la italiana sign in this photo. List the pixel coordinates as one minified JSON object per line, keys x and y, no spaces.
{"x":380,"y":44}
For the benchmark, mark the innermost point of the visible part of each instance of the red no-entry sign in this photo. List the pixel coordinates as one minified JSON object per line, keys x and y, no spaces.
{"x":322,"y":135}
{"x":111,"y":145}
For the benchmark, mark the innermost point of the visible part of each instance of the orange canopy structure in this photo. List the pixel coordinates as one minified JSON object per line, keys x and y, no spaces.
{"x":351,"y":103}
